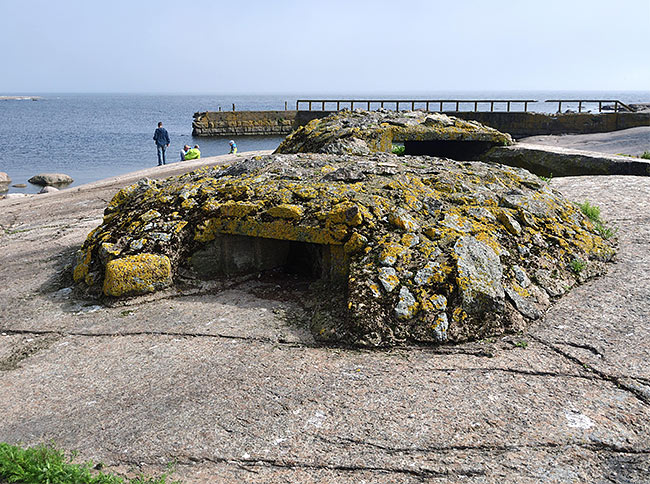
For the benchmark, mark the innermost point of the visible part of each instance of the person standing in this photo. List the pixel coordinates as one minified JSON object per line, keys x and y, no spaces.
{"x":233,"y":147}
{"x":161,"y":138}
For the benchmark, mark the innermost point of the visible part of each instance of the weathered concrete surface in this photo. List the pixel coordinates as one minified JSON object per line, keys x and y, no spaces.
{"x":224,"y":384}
{"x":555,"y":161}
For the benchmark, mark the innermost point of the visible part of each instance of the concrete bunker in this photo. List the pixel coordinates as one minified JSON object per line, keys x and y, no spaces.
{"x":233,"y":255}
{"x":427,"y":249}
{"x":362,"y":133}
{"x":462,"y":150}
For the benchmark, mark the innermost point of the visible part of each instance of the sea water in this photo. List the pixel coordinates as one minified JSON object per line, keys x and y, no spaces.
{"x":95,"y":136}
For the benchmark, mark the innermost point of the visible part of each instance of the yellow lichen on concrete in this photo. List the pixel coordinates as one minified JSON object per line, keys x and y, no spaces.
{"x":237,"y":209}
{"x":345,"y":213}
{"x":138,"y":274}
{"x":355,"y":243}
{"x":287,"y":211}
{"x":83,"y":263}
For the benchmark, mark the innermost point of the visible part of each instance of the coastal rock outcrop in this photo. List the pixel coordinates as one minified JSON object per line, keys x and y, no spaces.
{"x":557,"y":161}
{"x":401,"y":248}
{"x":4,"y":181}
{"x":50,"y":179}
{"x":364,"y":132}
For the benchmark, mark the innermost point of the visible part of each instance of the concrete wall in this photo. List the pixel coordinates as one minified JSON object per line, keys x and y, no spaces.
{"x":240,"y":123}
{"x":534,"y":124}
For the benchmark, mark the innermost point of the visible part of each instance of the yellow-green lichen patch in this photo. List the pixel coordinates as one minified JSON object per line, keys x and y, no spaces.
{"x":138,"y":274}
{"x":286,"y":210}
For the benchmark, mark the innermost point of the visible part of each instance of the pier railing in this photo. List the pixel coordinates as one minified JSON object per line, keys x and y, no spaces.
{"x":618,"y":105}
{"x":426,"y":104}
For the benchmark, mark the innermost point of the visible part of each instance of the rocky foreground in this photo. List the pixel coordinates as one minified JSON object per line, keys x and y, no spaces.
{"x":219,"y":380}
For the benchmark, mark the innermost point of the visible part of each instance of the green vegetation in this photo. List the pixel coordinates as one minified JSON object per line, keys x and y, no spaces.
{"x":548,"y":178}
{"x":645,"y":155}
{"x":48,"y":465}
{"x":577,"y":265}
{"x":398,"y":150}
{"x":521,"y":344}
{"x":593,"y":213}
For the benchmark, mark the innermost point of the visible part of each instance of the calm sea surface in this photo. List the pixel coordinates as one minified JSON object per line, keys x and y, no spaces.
{"x":91,"y":136}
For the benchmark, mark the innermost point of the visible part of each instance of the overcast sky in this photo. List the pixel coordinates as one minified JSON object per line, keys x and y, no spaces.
{"x":306,"y":46}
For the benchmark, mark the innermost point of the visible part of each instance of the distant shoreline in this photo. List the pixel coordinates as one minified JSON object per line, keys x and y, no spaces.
{"x":20,"y":98}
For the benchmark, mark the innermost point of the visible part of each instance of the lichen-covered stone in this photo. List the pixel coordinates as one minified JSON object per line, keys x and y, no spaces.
{"x":421,"y":249}
{"x":364,"y":132}
{"x":137,"y":274}
{"x":286,"y":210}
{"x":388,"y":278}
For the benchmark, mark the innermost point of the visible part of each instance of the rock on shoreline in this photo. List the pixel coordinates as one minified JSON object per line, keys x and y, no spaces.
{"x":50,"y":179}
{"x":4,"y":182}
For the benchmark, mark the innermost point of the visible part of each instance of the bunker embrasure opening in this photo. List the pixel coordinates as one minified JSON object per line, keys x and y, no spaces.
{"x":232,"y":255}
{"x":454,"y":149}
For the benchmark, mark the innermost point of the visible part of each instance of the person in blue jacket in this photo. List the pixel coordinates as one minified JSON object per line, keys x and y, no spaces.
{"x":161,"y":138}
{"x":233,"y":147}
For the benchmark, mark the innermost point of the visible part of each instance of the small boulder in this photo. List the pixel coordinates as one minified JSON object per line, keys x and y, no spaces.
{"x":19,"y":185}
{"x":48,"y":179}
{"x":4,"y":178}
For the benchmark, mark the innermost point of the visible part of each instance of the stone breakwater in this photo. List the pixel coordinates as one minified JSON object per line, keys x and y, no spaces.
{"x":418,"y":248}
{"x":241,"y":123}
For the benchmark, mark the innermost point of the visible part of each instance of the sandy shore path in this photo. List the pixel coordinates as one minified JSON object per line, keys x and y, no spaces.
{"x":225,"y":385}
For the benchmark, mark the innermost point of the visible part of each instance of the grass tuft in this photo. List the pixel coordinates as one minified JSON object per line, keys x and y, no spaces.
{"x":577,"y":265}
{"x":646,"y":155}
{"x":591,"y":211}
{"x":398,"y":150}
{"x":46,"y":464}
